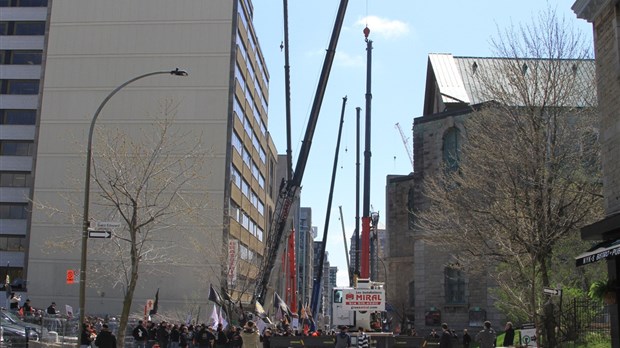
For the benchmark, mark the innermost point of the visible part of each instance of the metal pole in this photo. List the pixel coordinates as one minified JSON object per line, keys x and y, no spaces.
{"x":85,"y":221}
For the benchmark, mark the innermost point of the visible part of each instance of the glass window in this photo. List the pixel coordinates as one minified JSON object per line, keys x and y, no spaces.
{"x":31,"y":3}
{"x":451,"y":149}
{"x":432,"y":317}
{"x":237,"y":144}
{"x":26,"y":57}
{"x":455,"y":285}
{"x":29,"y":28}
{"x":238,"y":109}
{"x":410,"y":206}
{"x":16,"y":148}
{"x":13,"y":211}
{"x":23,"y":117}
{"x":338,"y":296}
{"x":12,"y":243}
{"x":239,"y":77}
{"x":4,"y":28}
{"x":14,"y":179}
{"x":28,"y":87}
{"x":411,"y":294}
{"x":247,"y":159}
{"x":235,"y":176}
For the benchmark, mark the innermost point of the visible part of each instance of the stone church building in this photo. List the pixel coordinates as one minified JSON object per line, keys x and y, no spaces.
{"x":438,"y":290}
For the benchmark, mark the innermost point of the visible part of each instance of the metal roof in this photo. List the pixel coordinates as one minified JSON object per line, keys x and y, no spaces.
{"x":513,"y":81}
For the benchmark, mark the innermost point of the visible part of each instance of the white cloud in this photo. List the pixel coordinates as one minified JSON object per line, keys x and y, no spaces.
{"x":388,"y":28}
{"x":345,"y":59}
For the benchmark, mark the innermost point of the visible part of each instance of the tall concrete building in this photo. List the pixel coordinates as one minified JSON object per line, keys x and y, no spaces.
{"x":305,"y":255}
{"x":94,"y":47}
{"x":22,"y":40}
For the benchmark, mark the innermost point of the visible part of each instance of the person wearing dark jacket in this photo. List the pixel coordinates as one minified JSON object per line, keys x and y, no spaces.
{"x":445,"y":340}
{"x":221,"y":340}
{"x":234,"y":338}
{"x":343,"y":339}
{"x":509,"y":335}
{"x":266,"y":338}
{"x":86,"y":337}
{"x":105,"y":338}
{"x":466,"y":339}
{"x":204,"y":338}
{"x":140,"y":335}
{"x":163,"y":336}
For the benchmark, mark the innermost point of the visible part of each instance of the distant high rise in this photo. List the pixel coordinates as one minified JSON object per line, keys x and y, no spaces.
{"x":22,"y":41}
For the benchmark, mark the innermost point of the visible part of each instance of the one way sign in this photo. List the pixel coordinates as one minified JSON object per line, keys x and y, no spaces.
{"x":99,"y":234}
{"x":552,"y":291}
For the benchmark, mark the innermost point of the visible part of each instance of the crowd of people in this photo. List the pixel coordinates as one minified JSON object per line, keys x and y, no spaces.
{"x":486,"y":338}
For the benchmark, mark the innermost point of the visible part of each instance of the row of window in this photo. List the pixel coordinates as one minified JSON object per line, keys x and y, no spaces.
{"x":18,"y":117}
{"x":246,"y":221}
{"x":250,"y":101}
{"x":21,"y":57}
{"x":15,"y":179}
{"x":23,"y":3}
{"x":18,"y":211}
{"x":245,"y":154}
{"x":12,"y":243}
{"x":16,"y":148}
{"x":243,"y":185}
{"x":28,"y":28}
{"x":259,"y":62}
{"x":247,"y":126}
{"x":23,"y":87}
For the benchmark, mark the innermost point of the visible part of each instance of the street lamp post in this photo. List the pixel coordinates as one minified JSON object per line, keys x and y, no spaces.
{"x":85,"y":222}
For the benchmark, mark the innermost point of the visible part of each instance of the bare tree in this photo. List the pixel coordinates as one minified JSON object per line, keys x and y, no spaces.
{"x":151,"y":181}
{"x":528,"y":174}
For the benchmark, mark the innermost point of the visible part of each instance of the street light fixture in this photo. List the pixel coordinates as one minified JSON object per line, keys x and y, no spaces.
{"x":85,"y":222}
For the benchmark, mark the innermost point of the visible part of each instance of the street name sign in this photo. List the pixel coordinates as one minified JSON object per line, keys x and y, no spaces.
{"x":552,"y":291}
{"x":99,"y":234}
{"x":105,"y":224}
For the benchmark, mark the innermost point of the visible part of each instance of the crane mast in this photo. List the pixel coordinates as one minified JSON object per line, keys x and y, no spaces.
{"x":290,"y":189}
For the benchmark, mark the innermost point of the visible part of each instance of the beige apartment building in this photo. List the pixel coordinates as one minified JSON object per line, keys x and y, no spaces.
{"x":92,"y":47}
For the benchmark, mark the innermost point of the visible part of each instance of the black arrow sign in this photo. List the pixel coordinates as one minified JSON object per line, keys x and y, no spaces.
{"x":99,"y":234}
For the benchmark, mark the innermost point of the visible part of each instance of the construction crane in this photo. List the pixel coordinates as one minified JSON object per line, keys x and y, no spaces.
{"x":405,"y":142}
{"x":290,"y":189}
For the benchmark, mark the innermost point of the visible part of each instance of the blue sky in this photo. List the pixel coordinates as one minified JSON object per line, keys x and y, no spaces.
{"x":403,"y":32}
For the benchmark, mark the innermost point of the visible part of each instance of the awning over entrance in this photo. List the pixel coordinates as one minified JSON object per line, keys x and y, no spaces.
{"x":601,"y":251}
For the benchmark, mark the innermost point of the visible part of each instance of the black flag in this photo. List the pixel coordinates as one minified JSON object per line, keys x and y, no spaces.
{"x":215,"y":296}
{"x":154,"y":310}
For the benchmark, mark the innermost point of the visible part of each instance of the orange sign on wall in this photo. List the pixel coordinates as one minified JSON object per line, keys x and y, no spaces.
{"x":70,"y":276}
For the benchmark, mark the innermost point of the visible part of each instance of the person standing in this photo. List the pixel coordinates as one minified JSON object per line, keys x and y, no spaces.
{"x":509,"y":335}
{"x":487,"y":336}
{"x":362,"y":338}
{"x":163,"y":336}
{"x":204,"y":338}
{"x":445,"y":340}
{"x":343,"y":339}
{"x":466,"y":339}
{"x":221,"y":339}
{"x":266,"y":338}
{"x":14,"y":302}
{"x":175,"y":336}
{"x":250,"y":336}
{"x":140,"y":335}
{"x":234,"y":338}
{"x":105,"y":338}
{"x":86,"y":337}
